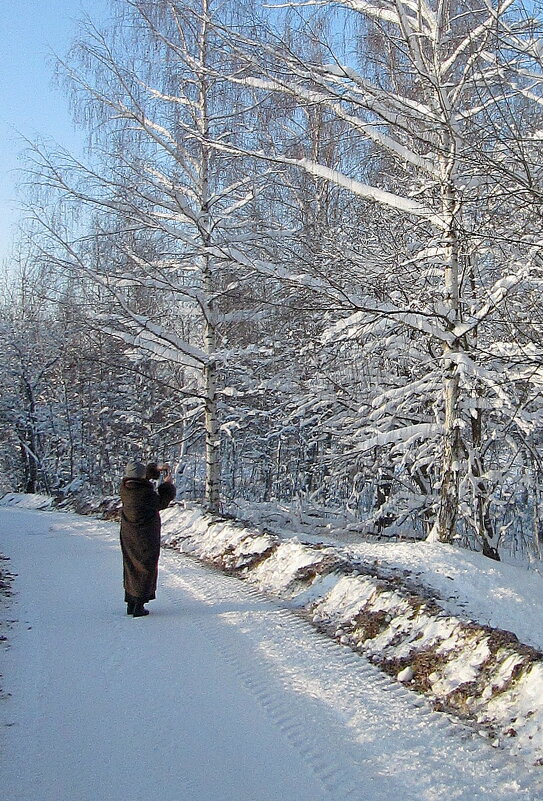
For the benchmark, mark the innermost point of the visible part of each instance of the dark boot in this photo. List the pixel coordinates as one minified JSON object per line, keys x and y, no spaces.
{"x":139,"y":610}
{"x":130,"y":607}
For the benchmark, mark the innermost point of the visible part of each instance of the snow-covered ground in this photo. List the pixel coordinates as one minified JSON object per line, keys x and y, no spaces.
{"x":220,"y":694}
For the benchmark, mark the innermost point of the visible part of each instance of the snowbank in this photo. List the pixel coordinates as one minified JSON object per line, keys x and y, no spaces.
{"x":480,"y":673}
{"x":467,"y":584}
{"x":26,"y":501}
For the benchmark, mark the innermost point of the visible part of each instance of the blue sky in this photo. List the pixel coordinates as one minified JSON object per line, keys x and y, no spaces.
{"x":30,"y":104}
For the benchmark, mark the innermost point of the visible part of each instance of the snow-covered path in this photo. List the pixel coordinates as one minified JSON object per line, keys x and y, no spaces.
{"x":218,"y":695}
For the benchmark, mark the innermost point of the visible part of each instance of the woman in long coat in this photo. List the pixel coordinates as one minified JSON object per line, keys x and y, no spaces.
{"x":140,"y":533}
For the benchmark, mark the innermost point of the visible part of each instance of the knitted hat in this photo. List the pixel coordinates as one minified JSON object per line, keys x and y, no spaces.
{"x":134,"y":470}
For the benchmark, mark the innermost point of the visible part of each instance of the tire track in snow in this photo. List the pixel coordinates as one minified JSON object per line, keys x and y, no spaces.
{"x":289,"y":718}
{"x":108,"y":707}
{"x":364,"y":735}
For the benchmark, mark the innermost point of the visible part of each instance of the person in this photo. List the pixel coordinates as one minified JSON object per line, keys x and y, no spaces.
{"x":140,"y":532}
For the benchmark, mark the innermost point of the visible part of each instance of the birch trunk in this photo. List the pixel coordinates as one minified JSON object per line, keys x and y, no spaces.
{"x":483,"y":521}
{"x":212,"y":434}
{"x":210,"y":372}
{"x":30,"y":442}
{"x":444,"y":528}
{"x":211,"y":419}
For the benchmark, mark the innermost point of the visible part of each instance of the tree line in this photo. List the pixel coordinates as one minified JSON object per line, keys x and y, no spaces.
{"x":302,"y":259}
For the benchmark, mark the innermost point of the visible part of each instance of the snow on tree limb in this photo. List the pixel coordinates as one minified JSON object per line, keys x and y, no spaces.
{"x":349,"y":326}
{"x":497,"y":293}
{"x":403,"y":435}
{"x":370,"y":102}
{"x":368,"y":192}
{"x":372,"y":193}
{"x":371,"y":9}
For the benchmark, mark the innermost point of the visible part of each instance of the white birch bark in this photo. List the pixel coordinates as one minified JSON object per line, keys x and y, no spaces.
{"x":444,"y":527}
{"x":211,"y":422}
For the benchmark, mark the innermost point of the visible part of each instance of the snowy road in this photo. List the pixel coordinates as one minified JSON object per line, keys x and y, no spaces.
{"x":218,"y":695}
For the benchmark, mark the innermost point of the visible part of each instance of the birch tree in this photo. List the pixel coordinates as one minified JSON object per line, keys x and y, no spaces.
{"x":171,"y":209}
{"x":427,"y":103}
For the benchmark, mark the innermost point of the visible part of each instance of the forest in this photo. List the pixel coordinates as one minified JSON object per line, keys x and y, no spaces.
{"x":301,"y":262}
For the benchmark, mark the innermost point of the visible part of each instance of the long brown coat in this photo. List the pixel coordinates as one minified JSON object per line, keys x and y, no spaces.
{"x":140,"y":535}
